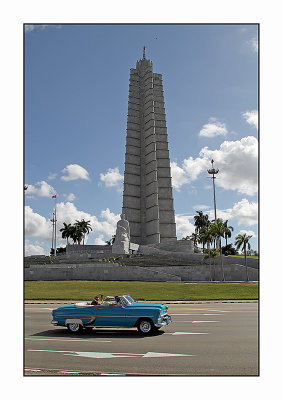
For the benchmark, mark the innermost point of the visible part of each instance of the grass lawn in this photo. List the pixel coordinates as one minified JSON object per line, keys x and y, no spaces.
{"x":161,"y":291}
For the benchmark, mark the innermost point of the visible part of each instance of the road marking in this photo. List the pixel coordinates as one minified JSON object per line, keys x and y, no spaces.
{"x":92,"y":354}
{"x":199,"y":309}
{"x":196,"y":322}
{"x":32,"y":370}
{"x":188,"y":333}
{"x":74,"y":340}
{"x":193,"y":314}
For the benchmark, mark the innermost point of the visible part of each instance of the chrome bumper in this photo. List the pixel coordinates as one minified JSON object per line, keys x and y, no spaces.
{"x":53,"y":322}
{"x":163,"y":321}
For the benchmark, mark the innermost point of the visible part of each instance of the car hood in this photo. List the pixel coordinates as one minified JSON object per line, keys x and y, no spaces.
{"x":148,"y":305}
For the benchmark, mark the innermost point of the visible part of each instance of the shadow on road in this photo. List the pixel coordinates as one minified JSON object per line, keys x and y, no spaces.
{"x":97,"y":333}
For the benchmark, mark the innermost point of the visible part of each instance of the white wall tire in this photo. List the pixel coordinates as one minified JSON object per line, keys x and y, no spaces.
{"x":74,"y":327}
{"x":145,"y":326}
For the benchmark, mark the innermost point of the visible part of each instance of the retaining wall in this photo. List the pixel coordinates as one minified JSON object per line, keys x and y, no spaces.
{"x":114,"y":272}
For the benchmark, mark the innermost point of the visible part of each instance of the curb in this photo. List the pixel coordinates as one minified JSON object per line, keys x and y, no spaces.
{"x":163,"y":302}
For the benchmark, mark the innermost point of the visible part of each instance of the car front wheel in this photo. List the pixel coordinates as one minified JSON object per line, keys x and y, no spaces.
{"x":74,"y":327}
{"x":145,"y":326}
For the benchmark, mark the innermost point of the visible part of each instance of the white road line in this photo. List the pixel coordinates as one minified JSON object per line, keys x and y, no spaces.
{"x":74,"y":340}
{"x":92,"y":354}
{"x":193,"y":314}
{"x":196,"y":322}
{"x":188,"y":333}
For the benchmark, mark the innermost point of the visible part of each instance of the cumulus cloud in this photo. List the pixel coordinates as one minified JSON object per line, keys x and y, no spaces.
{"x":42,"y":189}
{"x":32,"y":249}
{"x":248,"y":233}
{"x":213,"y":128}
{"x":251,"y":117}
{"x":74,"y":172}
{"x":236,"y":160}
{"x":37,"y":226}
{"x":112,"y":178}
{"x":179,"y":177}
{"x":70,"y":196}
{"x":243,"y":212}
{"x":100,"y":240}
{"x":184,"y":227}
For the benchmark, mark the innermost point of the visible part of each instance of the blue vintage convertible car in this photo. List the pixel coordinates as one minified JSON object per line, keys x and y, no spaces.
{"x":122,"y":312}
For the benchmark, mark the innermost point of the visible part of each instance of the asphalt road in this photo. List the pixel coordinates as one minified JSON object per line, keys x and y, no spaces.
{"x":204,"y":339}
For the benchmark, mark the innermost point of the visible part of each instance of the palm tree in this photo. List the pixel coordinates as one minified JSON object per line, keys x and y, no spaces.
{"x":228,"y":231}
{"x":111,"y":241}
{"x":206,"y":236}
{"x":194,"y":237}
{"x":82,"y":228}
{"x":66,"y":231}
{"x":243,"y":240}
{"x":218,"y":230}
{"x":201,"y":221}
{"x":212,"y":253}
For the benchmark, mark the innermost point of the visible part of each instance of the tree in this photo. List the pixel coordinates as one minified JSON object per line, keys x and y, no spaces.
{"x":228,"y":231}
{"x":111,"y":241}
{"x":243,"y":241}
{"x":66,"y":231}
{"x":82,"y":228}
{"x":229,"y":250}
{"x":194,"y":237}
{"x":201,"y":221}
{"x":206,"y":236}
{"x":218,"y":229}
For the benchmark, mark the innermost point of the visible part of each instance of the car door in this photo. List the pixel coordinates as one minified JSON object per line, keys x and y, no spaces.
{"x":107,"y":315}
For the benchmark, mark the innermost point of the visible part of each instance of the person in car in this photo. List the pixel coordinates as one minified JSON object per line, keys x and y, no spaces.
{"x":96,"y":300}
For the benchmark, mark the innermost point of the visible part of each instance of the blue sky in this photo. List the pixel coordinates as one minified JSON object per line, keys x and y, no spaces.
{"x":76,"y":92}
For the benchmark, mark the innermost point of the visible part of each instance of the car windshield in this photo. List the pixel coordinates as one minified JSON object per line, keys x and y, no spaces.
{"x":129,"y":299}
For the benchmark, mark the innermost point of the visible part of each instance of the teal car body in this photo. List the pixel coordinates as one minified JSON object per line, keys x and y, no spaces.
{"x":124,"y":312}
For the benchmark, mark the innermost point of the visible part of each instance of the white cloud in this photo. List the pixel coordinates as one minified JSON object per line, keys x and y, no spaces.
{"x":112,"y":178}
{"x":36,"y":225}
{"x":243,"y":212}
{"x":183,"y":225}
{"x":100,"y":240}
{"x":43,"y":189}
{"x":201,"y":207}
{"x":52,"y":176}
{"x":70,"y":196}
{"x":74,"y":171}
{"x":253,"y":43}
{"x":213,"y":128}
{"x":237,"y":163}
{"x":248,"y":233}
{"x":179,"y":177}
{"x":251,"y":117}
{"x":33,"y":249}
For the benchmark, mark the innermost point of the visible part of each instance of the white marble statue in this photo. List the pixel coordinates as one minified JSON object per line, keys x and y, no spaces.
{"x":122,"y":239}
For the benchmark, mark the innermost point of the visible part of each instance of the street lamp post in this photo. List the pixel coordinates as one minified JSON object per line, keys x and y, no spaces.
{"x":212,"y":171}
{"x":55,"y":220}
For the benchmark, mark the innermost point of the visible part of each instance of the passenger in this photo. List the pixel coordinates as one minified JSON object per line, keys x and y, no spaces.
{"x":96,"y":300}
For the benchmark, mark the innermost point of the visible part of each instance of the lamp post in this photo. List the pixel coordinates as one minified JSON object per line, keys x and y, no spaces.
{"x":54,"y":223}
{"x":212,"y":171}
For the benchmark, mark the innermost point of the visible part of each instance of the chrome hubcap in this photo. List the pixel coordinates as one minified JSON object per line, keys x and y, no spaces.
{"x":145,"y":326}
{"x":74,"y":327}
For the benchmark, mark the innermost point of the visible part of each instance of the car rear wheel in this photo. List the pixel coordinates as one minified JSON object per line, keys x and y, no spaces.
{"x":145,"y":326}
{"x":74,"y":327}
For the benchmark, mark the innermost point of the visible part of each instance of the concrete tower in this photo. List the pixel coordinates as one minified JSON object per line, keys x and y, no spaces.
{"x":147,"y":196}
